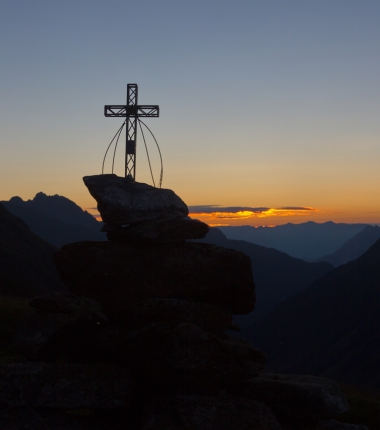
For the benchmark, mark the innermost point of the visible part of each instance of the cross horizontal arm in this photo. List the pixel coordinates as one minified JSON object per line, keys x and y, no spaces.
{"x":133,"y":110}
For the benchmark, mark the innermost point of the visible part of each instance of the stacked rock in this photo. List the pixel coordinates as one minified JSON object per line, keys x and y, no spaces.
{"x":169,"y":303}
{"x":145,"y":329}
{"x":172,"y":299}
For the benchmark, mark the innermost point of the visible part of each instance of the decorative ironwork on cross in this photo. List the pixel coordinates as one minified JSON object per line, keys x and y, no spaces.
{"x":131,"y":111}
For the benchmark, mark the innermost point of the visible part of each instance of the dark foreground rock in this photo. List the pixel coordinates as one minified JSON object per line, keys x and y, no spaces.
{"x":64,"y":386}
{"x":223,"y":412}
{"x":209,"y":317}
{"x":64,"y":326}
{"x":336,"y":425}
{"x":159,"y":357}
{"x":186,"y":357}
{"x":298,"y":397}
{"x":122,"y":201}
{"x":57,"y":302}
{"x":120,"y":275}
{"x":23,"y":417}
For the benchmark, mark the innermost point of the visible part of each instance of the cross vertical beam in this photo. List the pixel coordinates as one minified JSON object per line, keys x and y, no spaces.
{"x":131,"y":111}
{"x":131,"y":132}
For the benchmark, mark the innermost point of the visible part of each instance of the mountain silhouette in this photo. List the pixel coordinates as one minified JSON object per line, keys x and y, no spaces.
{"x":26,"y":261}
{"x":331,"y":328}
{"x":56,"y":219}
{"x":309,"y":241}
{"x":354,"y":247}
{"x":276,"y":274}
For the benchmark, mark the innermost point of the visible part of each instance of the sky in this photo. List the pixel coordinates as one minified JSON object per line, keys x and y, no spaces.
{"x":269,"y":109}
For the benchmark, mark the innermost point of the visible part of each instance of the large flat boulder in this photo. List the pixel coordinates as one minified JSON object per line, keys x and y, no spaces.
{"x":298,"y":397}
{"x":159,"y":231}
{"x":200,"y":412}
{"x":121,"y":275}
{"x":123,"y":201}
{"x":209,"y":317}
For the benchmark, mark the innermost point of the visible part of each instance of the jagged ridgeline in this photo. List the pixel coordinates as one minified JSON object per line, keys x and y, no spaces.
{"x":26,"y":260}
{"x":143,"y":340}
{"x":56,"y":219}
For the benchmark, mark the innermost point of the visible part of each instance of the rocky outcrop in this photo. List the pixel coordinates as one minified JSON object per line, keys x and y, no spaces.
{"x":141,"y":341}
{"x":121,"y":275}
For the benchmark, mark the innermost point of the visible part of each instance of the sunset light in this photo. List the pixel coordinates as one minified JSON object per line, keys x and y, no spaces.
{"x":223,"y":216}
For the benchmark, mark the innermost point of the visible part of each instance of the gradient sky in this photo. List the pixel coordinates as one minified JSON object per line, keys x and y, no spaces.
{"x":268,"y":107}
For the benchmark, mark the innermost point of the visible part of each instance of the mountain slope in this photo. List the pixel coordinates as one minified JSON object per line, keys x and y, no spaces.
{"x":26,"y":261}
{"x":56,"y":219}
{"x":332,"y":328}
{"x":276,"y":274}
{"x":309,"y":241}
{"x":354,"y":247}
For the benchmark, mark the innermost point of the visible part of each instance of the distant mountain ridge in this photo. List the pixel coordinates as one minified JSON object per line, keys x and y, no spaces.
{"x":26,"y":261}
{"x":308,"y":241}
{"x":277,"y":276}
{"x":354,"y":247}
{"x":329,"y":329}
{"x":56,"y":219}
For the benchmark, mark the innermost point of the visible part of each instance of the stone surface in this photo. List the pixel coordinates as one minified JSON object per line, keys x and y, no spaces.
{"x":197,"y":412}
{"x":122,"y":201}
{"x":22,"y":417}
{"x":208,"y":317}
{"x":188,"y":357}
{"x":298,"y":397}
{"x":161,"y":231}
{"x":65,"y":326}
{"x":57,"y":336}
{"x":68,"y":386}
{"x":66,"y":303}
{"x":336,"y":425}
{"x":121,"y":275}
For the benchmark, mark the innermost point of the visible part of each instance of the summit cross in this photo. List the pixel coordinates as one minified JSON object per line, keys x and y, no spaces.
{"x":131,"y":111}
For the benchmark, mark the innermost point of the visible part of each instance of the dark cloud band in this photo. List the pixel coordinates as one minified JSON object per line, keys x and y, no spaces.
{"x":210,"y":209}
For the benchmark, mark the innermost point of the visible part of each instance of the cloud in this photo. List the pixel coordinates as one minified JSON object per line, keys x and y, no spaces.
{"x":244,"y":212}
{"x":297,"y":208}
{"x":208,"y":209}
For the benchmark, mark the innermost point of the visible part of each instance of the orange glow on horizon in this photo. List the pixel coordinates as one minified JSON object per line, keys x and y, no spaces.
{"x":267,"y":217}
{"x":259,"y":214}
{"x":271,"y":217}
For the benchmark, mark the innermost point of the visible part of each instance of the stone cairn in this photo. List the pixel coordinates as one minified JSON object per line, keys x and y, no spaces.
{"x":142,"y":341}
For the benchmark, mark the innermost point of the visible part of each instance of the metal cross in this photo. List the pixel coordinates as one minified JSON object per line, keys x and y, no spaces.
{"x":131,"y":111}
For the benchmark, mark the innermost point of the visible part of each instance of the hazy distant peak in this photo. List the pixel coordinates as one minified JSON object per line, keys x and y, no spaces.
{"x":56,"y":218}
{"x":308,"y":241}
{"x":16,"y":199}
{"x":42,"y":197}
{"x":61,"y":208}
{"x":354,"y":247}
